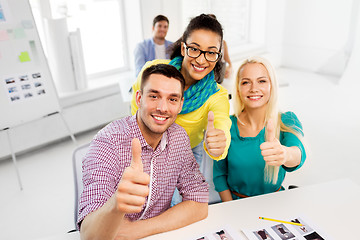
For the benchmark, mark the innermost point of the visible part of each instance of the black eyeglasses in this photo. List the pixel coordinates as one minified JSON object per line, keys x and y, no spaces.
{"x":194,"y":52}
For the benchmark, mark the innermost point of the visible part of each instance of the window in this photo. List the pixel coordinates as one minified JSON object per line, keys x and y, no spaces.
{"x":102,"y":35}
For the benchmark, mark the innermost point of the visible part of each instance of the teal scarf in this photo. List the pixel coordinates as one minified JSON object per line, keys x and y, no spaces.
{"x":197,"y":94}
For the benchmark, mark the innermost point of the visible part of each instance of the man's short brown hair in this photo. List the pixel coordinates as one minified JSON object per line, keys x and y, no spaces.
{"x":159,"y":18}
{"x":163,"y":69}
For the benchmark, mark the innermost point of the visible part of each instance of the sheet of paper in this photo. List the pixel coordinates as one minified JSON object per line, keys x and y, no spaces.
{"x":221,"y":233}
{"x":282,"y":231}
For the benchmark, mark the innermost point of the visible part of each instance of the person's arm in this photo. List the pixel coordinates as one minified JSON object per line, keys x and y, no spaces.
{"x":219,"y":105}
{"x":292,"y":156}
{"x":215,"y":139}
{"x":105,"y":222}
{"x":102,"y":223}
{"x":180,"y":215}
{"x":225,"y":196}
{"x":228,"y":69}
{"x":139,"y":57}
{"x":220,"y":173}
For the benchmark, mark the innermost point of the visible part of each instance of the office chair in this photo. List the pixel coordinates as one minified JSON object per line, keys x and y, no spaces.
{"x":78,"y":155}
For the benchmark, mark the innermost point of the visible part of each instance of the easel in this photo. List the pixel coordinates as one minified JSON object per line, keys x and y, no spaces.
{"x":13,"y":152}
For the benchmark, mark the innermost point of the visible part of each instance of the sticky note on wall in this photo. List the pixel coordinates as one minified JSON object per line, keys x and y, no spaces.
{"x":24,"y":57}
{"x":2,"y":16}
{"x":19,"y":33}
{"x":4,"y":35}
{"x":27,"y":24}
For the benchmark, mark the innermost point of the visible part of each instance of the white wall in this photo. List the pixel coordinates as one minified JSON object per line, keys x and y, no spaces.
{"x":274,"y":35}
{"x":133,"y":25}
{"x":352,"y":67}
{"x":316,"y":35}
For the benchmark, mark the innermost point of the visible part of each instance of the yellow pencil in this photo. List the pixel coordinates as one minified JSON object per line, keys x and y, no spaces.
{"x":270,"y":219}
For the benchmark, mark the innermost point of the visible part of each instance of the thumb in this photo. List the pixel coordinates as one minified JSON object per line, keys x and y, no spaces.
{"x":210,"y":124}
{"x":270,"y":131}
{"x":136,"y":162}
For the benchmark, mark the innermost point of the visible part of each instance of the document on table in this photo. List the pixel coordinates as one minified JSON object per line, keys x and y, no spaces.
{"x":221,"y":233}
{"x":281,"y":231}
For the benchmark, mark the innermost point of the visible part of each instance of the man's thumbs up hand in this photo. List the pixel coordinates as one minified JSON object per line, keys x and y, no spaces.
{"x":133,"y":187}
{"x":136,"y":162}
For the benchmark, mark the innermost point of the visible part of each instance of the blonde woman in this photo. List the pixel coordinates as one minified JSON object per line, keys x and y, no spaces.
{"x":265,"y":144}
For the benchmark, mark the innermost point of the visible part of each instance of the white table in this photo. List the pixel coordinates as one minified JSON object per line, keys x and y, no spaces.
{"x":333,"y":206}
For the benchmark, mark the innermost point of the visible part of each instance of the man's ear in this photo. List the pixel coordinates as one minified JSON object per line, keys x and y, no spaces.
{"x":182,"y":49}
{"x":138,"y":97}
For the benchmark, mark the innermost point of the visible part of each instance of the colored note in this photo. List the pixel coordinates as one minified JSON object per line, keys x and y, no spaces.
{"x":34,"y":52}
{"x":27,"y":24}
{"x":24,"y":57}
{"x":19,"y":33}
{"x":4,"y":35}
{"x":2,"y":16}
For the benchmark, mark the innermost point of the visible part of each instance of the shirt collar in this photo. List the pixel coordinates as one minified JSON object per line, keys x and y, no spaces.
{"x":137,"y":134}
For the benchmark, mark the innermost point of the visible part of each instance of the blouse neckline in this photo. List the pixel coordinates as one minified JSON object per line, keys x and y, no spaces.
{"x":259,"y":135}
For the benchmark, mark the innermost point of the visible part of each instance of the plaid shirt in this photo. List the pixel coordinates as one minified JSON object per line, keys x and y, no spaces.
{"x":172,"y":161}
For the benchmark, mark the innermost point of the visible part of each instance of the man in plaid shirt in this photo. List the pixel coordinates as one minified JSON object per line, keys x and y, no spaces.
{"x":134,"y":165}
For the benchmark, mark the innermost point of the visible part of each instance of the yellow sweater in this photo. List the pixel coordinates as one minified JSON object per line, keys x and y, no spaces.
{"x":195,"y":122}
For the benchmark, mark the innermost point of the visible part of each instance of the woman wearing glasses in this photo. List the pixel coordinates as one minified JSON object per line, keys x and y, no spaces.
{"x":206,"y":106}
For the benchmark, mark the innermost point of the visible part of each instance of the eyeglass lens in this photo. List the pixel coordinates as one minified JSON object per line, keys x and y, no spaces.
{"x":195,"y":52}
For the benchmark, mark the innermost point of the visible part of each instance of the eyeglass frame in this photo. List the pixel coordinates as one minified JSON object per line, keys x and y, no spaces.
{"x":201,"y":52}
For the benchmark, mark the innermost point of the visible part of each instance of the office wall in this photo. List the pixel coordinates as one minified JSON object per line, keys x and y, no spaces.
{"x":274,"y":35}
{"x":133,"y":25}
{"x":352,"y":66}
{"x":316,"y":35}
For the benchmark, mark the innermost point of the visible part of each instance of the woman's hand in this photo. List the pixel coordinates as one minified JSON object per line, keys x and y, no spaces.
{"x":273,"y":152}
{"x":215,"y":139}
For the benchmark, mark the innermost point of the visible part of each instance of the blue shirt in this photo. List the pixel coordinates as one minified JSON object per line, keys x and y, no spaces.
{"x":145,"y":51}
{"x":242,"y":170}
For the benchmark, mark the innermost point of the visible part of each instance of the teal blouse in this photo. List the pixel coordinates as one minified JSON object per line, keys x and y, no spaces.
{"x":242,"y":170}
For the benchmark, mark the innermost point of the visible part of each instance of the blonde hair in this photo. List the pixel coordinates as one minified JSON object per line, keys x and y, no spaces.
{"x":272,"y":111}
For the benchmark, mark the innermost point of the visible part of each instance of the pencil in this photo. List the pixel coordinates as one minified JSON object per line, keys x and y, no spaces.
{"x":275,"y":220}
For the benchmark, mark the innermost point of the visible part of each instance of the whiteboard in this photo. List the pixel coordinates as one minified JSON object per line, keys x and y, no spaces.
{"x":27,"y":90}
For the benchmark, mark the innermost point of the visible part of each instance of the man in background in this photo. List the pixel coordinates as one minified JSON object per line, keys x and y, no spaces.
{"x":155,"y":47}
